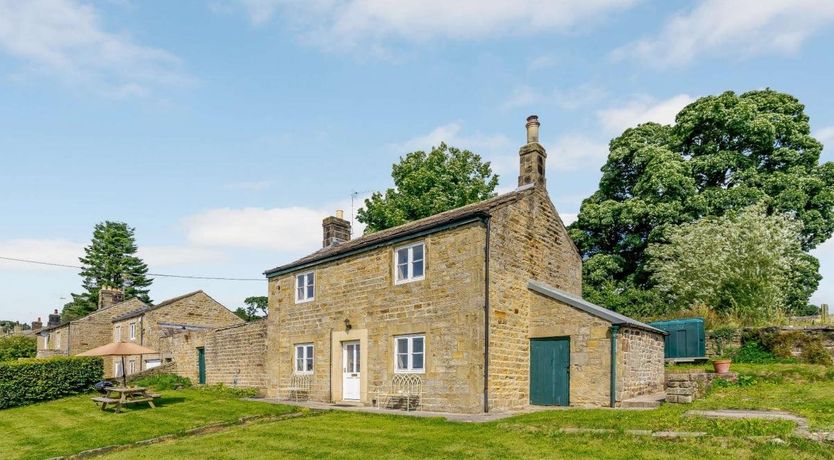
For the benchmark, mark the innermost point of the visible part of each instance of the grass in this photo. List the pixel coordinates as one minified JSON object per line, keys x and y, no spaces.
{"x":361,"y":436}
{"x":74,"y":424}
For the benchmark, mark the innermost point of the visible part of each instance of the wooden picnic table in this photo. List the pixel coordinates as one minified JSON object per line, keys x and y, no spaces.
{"x":118,"y":397}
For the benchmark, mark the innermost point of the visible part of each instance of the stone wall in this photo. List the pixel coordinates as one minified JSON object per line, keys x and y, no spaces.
{"x":198,"y":309}
{"x":686,"y":387}
{"x":824,"y":333}
{"x":235,"y":355}
{"x":640,"y":363}
{"x":529,"y":242}
{"x":446,"y":306}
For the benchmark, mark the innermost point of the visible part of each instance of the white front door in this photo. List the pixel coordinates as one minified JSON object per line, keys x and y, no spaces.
{"x":350,"y":366}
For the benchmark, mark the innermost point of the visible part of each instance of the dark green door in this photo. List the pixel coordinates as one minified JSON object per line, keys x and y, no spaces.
{"x":550,"y":371}
{"x":201,"y":365}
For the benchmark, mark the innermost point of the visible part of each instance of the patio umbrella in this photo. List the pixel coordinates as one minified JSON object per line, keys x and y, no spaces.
{"x":119,"y":349}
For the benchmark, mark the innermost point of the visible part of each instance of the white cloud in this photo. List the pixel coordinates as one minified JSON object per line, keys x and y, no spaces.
{"x":450,"y":133}
{"x":732,"y":27}
{"x":48,"y":250}
{"x":642,"y":109}
{"x":825,"y":254}
{"x":826,"y":136}
{"x":292,"y":229}
{"x":334,"y":24}
{"x":65,"y":38}
{"x":577,"y":152}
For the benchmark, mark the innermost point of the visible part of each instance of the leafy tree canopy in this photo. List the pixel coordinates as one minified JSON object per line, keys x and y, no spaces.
{"x":427,"y":184}
{"x":109,"y":260}
{"x":723,"y":154}
{"x":256,"y":307}
{"x":16,"y":347}
{"x":742,"y":265}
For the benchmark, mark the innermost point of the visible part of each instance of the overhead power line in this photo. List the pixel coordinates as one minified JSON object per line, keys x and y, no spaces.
{"x":160,"y":275}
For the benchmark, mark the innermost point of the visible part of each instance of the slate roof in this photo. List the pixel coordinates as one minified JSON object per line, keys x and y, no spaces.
{"x":146,"y":308}
{"x":595,"y":310}
{"x":426,"y":225}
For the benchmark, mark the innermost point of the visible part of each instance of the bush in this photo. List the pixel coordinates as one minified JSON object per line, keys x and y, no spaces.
{"x":782,"y":344}
{"x":31,"y":380}
{"x":16,"y":347}
{"x":755,"y":353}
{"x":164,"y":382}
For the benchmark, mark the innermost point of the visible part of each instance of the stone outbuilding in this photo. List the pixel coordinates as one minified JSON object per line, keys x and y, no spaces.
{"x":482,"y":304}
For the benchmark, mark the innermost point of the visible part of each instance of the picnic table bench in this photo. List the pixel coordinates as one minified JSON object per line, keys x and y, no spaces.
{"x":119,"y":397}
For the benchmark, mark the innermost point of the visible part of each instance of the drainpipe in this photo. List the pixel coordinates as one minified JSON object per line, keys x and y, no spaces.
{"x":613,"y":391}
{"x":486,"y":316}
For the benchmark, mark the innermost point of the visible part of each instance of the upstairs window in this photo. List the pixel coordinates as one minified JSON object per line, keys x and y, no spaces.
{"x":305,"y":287}
{"x":410,"y":263}
{"x":409,"y":354}
{"x":118,"y":334}
{"x":132,"y":331}
{"x":304,"y":358}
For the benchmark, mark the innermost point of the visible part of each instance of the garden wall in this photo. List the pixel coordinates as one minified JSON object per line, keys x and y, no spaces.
{"x":802,"y":343}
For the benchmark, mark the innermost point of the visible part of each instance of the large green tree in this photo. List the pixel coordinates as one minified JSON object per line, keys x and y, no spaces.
{"x":427,"y":184}
{"x":256,"y":308}
{"x":724,"y":153}
{"x":109,"y":260}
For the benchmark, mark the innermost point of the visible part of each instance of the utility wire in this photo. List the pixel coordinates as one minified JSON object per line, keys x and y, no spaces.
{"x":160,"y":275}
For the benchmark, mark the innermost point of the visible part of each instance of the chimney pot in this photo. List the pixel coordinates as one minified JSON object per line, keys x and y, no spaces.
{"x":340,"y":214}
{"x":533,"y":129}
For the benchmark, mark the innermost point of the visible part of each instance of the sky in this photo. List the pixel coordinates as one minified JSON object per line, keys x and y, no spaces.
{"x":223,"y":131}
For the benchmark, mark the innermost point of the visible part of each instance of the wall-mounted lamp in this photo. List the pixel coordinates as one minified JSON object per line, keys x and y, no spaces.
{"x":348,"y":326}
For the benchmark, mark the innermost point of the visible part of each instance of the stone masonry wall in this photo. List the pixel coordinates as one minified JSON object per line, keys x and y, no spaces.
{"x":235,"y":355}
{"x":640,"y":363}
{"x":529,"y":242}
{"x":446,"y":306}
{"x":198,"y":309}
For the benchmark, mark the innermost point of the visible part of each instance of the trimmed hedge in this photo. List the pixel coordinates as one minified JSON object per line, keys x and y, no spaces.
{"x":16,"y":347}
{"x":30,"y":380}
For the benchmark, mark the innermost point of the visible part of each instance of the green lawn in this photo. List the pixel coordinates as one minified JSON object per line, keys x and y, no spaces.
{"x":74,"y":424}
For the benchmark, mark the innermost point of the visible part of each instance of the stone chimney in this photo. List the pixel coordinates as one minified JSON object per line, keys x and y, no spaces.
{"x":54,"y":319}
{"x":109,"y":296}
{"x":37,"y":325}
{"x":532,"y":156}
{"x":336,"y":229}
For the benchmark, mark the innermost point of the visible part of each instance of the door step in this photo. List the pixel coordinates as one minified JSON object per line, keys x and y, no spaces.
{"x":644,"y":401}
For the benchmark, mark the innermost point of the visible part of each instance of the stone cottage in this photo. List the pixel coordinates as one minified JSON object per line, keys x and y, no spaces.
{"x":147,"y":325}
{"x":77,"y":336}
{"x":482,"y":303}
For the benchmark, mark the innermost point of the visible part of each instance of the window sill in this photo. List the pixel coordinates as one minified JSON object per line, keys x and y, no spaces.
{"x":304,"y":301}
{"x":410,"y":280}
{"x":422,"y":371}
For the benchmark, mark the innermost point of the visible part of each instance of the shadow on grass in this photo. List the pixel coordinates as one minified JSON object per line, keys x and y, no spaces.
{"x":164,"y":401}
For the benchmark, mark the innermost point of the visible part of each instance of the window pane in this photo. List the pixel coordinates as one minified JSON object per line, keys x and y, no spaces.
{"x":310,"y":291}
{"x":299,"y":293}
{"x":417,"y":345}
{"x":402,"y":272}
{"x":402,"y":345}
{"x":299,"y":280}
{"x":299,"y":352}
{"x":309,"y":367}
{"x":417,"y":252}
{"x":417,"y":269}
{"x":417,"y":361}
{"x":402,"y":361}
{"x":402,"y":256}
{"x":311,"y":279}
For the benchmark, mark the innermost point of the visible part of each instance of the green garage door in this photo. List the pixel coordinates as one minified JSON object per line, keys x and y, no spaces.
{"x":550,"y":371}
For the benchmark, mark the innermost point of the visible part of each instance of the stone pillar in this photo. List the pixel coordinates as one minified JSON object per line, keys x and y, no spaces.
{"x":532,"y":156}
{"x":336,"y":230}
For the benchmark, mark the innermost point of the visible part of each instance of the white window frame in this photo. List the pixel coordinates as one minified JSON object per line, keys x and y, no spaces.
{"x":118,"y":334}
{"x":308,"y":353}
{"x":58,"y":340}
{"x":131,"y":365}
{"x":117,"y":365}
{"x":133,"y":331}
{"x":410,"y":264}
{"x":307,"y":276}
{"x":409,"y":354}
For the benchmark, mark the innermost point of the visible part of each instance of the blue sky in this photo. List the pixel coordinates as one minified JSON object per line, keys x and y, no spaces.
{"x":225,"y":130}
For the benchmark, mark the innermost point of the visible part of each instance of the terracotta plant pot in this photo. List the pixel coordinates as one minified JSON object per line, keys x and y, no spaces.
{"x":722,"y":366}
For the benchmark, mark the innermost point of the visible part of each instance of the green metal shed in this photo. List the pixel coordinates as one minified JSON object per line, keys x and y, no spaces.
{"x":685,"y":341}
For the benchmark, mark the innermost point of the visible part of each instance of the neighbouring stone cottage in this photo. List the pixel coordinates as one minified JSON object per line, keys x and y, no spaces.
{"x":118,"y":320}
{"x":482,"y":302}
{"x":148,"y":325}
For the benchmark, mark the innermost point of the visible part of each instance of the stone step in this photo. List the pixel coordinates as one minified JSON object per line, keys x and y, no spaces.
{"x":644,"y":402}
